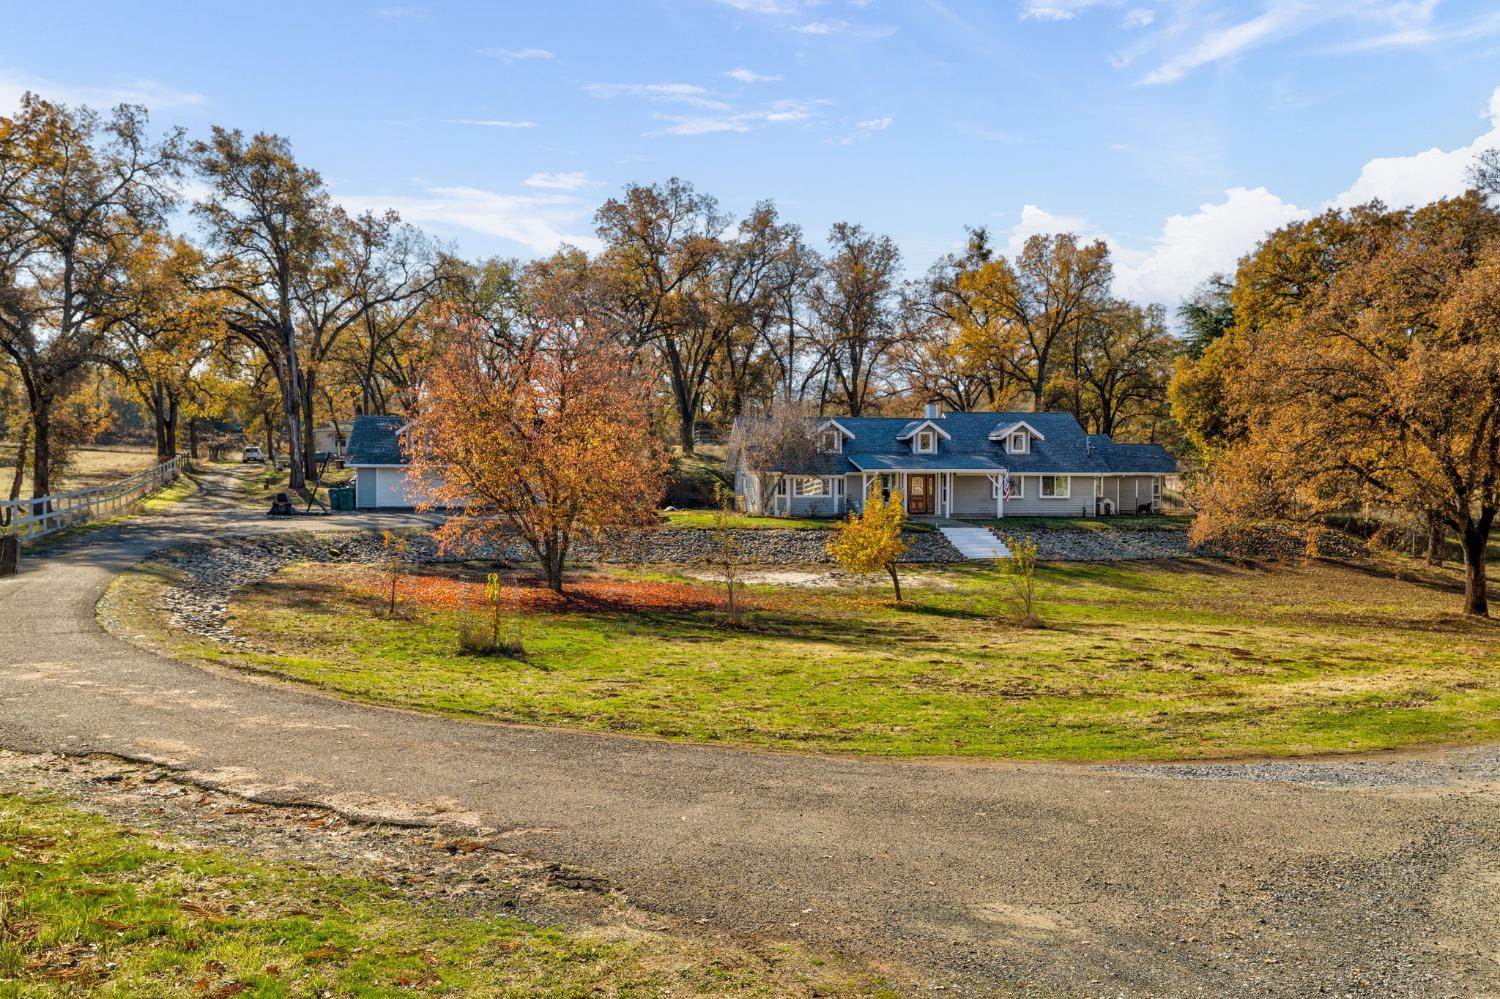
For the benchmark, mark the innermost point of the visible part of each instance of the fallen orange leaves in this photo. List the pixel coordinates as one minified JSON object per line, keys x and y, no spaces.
{"x":450,"y":593}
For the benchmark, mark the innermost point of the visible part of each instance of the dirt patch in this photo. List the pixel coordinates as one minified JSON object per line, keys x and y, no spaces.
{"x":463,"y":871}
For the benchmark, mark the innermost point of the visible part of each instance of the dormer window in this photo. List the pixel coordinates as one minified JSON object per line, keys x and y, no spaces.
{"x":1020,"y":443}
{"x":830,"y":441}
{"x":925,"y":442}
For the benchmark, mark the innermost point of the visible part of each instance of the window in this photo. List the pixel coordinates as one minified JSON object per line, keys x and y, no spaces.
{"x":1098,"y":485}
{"x":926,"y":442}
{"x":1054,"y":487}
{"x":1020,"y":442}
{"x":1016,"y":492}
{"x":809,"y":485}
{"x":830,"y":441}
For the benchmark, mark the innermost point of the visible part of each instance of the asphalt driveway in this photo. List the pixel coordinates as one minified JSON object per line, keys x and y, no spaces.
{"x":1363,"y":878}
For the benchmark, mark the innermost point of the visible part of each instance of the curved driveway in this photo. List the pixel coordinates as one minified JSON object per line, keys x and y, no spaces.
{"x":1380,"y":877}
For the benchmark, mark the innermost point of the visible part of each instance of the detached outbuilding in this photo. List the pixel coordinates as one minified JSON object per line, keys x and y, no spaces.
{"x":382,"y":472}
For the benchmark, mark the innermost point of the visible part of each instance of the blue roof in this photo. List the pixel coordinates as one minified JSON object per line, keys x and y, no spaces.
{"x":375,"y":440}
{"x":1065,"y":447}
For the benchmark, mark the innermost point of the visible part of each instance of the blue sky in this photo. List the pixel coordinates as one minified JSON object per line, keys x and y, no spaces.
{"x":1179,"y":130}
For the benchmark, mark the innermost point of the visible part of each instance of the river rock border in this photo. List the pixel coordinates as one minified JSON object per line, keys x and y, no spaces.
{"x":209,"y":574}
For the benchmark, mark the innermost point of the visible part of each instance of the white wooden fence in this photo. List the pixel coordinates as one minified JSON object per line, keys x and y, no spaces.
{"x":44,"y":515}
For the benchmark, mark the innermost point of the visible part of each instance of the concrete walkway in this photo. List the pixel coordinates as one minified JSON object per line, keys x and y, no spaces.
{"x":1261,"y":880}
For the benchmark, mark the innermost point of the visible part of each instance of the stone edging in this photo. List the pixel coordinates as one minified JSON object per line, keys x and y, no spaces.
{"x":215,"y":571}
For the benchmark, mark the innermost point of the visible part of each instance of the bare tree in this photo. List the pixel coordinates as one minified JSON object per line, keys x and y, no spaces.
{"x":662,"y":241}
{"x":767,"y":447}
{"x":855,"y":304}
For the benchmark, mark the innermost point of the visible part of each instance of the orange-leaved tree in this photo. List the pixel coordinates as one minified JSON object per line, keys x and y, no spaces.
{"x":546,"y":436}
{"x":1366,"y":370}
{"x":870,"y":541}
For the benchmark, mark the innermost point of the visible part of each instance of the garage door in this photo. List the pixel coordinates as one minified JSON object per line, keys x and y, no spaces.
{"x":390,"y":487}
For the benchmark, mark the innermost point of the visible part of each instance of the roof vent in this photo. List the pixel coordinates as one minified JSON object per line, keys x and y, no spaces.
{"x":932,"y":411}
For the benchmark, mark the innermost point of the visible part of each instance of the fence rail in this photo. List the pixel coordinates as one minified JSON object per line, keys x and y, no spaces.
{"x":40,"y":516}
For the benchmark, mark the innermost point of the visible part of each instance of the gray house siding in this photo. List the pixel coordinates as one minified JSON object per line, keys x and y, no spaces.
{"x":970,"y":447}
{"x":1031,"y":504}
{"x":972,"y":496}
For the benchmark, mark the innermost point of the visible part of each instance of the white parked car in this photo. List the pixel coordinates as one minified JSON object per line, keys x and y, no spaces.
{"x":252,"y":454}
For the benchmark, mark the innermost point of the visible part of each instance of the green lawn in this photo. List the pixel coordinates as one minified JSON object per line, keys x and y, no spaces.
{"x":1167,"y":660}
{"x":673,"y":519}
{"x":705,"y":519}
{"x":89,"y":907}
{"x":1017,"y":525}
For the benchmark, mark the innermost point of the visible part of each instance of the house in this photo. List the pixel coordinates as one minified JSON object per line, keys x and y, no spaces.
{"x":382,"y":471}
{"x":980,"y":465}
{"x":332,"y":437}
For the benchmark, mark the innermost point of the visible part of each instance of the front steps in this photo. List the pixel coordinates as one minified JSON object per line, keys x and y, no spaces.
{"x":975,"y":543}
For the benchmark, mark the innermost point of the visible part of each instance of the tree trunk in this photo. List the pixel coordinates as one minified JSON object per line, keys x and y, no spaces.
{"x":193,"y":437}
{"x":1434,"y":540}
{"x":556,"y":554}
{"x":895,"y":580}
{"x":1475,"y":537}
{"x":171,"y":430}
{"x":159,"y":421}
{"x":41,"y":451}
{"x":20,"y":473}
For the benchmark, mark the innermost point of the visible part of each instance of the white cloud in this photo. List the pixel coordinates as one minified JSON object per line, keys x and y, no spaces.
{"x":763,"y":6}
{"x":1191,"y":247}
{"x":1176,"y":37}
{"x":151,"y":93}
{"x":539,"y":222}
{"x":1435,"y":173}
{"x":571,"y":181}
{"x":1225,"y":43}
{"x":683,"y":93}
{"x":1037,"y":221}
{"x":815,"y":28}
{"x":1059,"y":10}
{"x":1416,"y":31}
{"x":776,"y":113}
{"x":744,"y":75}
{"x":492,"y":122}
{"x":864,"y":129}
{"x":515,"y":55}
{"x":1213,"y":238}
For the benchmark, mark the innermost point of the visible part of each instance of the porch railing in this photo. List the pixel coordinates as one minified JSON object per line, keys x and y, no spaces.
{"x":40,"y":516}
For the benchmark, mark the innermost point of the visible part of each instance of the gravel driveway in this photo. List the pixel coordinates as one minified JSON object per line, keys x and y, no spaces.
{"x":1264,"y":879}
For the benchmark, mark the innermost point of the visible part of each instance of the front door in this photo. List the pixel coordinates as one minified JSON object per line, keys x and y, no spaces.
{"x":919,"y":498}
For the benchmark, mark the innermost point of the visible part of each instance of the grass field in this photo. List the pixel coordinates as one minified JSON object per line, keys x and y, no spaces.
{"x":1166,"y":660}
{"x":92,"y":466}
{"x":1019,"y":525}
{"x":705,"y":518}
{"x":672,"y":519}
{"x":89,"y":907}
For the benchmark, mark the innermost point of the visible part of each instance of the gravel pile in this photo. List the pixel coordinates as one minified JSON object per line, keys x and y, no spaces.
{"x":1110,"y":546}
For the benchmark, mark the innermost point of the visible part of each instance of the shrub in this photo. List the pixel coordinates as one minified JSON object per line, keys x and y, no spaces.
{"x":1019,"y":570}
{"x":479,"y":634}
{"x":870,"y":541}
{"x":727,"y":555}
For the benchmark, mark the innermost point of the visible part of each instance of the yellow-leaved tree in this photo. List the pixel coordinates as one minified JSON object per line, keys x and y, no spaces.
{"x":870,"y":541}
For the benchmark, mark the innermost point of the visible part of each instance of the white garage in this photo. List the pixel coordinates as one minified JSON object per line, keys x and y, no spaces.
{"x":383,"y":487}
{"x":382,"y":478}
